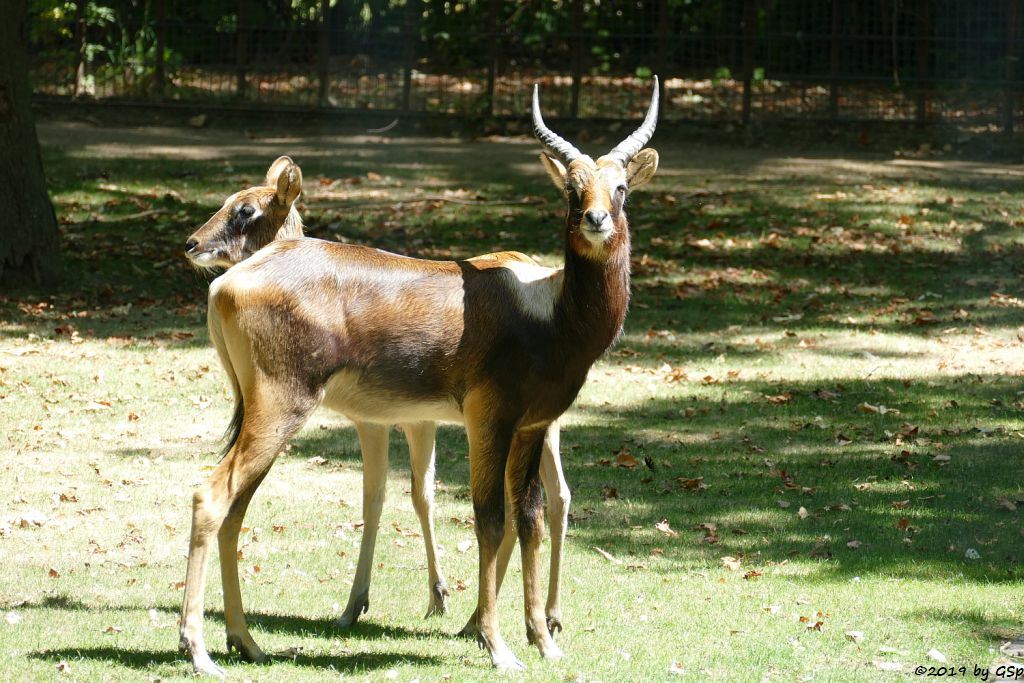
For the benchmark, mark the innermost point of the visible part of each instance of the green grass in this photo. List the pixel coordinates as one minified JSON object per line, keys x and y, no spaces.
{"x":780,"y":299}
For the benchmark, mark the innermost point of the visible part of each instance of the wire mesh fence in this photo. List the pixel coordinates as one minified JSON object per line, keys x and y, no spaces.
{"x":949,"y":61}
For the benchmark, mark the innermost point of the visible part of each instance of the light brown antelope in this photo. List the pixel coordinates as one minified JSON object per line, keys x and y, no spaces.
{"x":495,"y":343}
{"x":251,"y":219}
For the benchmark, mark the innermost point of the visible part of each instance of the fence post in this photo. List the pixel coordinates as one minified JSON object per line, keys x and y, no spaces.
{"x":492,"y":55}
{"x":242,"y":48}
{"x":662,"y":33}
{"x":324,"y":54}
{"x":576,"y":57}
{"x":921,"y":55}
{"x":747,"y":21}
{"x":79,"y":89}
{"x":1012,"y":57}
{"x":835,"y":58}
{"x":408,"y":52}
{"x":159,"y":68}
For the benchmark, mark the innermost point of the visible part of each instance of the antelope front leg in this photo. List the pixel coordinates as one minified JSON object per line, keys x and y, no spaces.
{"x":523,"y":485}
{"x":488,"y":452}
{"x":421,"y":437}
{"x":373,"y":441}
{"x":508,"y":543}
{"x":557,"y":491}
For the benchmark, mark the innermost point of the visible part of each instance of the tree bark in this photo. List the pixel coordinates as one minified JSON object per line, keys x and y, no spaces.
{"x":28,"y":226}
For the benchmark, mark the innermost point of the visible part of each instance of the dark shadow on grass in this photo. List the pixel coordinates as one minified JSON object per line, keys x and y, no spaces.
{"x":973,"y":622}
{"x":366,"y":628}
{"x":144,"y":659}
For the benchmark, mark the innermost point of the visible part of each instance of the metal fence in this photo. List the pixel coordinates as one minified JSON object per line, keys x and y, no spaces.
{"x":951,"y":61}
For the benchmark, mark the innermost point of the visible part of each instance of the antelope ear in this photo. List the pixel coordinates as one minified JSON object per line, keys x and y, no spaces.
{"x":280,"y":164}
{"x":289,"y":183}
{"x":556,"y":171}
{"x":641,"y":167}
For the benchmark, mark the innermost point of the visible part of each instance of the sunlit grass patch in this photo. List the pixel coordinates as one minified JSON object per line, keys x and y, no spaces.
{"x":812,"y":425}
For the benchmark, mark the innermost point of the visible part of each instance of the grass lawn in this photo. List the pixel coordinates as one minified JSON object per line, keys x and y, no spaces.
{"x":802,"y":461}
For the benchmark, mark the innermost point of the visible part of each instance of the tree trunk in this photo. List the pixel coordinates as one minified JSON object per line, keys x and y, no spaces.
{"x":28,"y":226}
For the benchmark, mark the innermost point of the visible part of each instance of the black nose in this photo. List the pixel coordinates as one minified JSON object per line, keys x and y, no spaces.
{"x":191,"y":244}
{"x":596,"y":217}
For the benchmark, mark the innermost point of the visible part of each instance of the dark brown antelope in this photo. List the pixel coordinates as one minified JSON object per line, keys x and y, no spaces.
{"x":495,"y":343}
{"x":259,"y":215}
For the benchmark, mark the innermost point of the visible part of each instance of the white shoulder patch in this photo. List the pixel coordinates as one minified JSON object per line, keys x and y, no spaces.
{"x":537,"y":288}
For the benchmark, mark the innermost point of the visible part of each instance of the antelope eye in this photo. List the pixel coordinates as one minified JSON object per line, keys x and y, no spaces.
{"x":246,"y":211}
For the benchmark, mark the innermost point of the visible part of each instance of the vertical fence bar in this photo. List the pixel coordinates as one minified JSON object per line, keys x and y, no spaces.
{"x":324,"y":54}
{"x":662,"y":33}
{"x":79,"y":86}
{"x":409,"y":25}
{"x":1012,"y":57}
{"x":492,"y":55}
{"x":921,"y":57}
{"x":576,"y":49}
{"x":242,"y":48}
{"x":835,"y":58}
{"x":747,"y":21}
{"x":159,"y":68}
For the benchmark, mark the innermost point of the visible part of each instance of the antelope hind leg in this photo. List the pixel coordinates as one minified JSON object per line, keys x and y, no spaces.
{"x":422,"y":456}
{"x":225,"y":496}
{"x":558,"y":498}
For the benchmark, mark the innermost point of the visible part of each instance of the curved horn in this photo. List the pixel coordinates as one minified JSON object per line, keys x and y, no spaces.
{"x":625,"y":150}
{"x":562,"y":149}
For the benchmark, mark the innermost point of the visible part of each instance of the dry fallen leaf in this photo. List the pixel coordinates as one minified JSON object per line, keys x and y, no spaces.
{"x":625,"y":459}
{"x":1006,"y":504}
{"x":465,"y":545}
{"x":606,"y":555}
{"x":855,"y":636}
{"x":30,"y":519}
{"x":694,"y":484}
{"x":664,"y":528}
{"x":937,"y":656}
{"x":853,"y":544}
{"x":803,"y":513}
{"x":731,"y":563}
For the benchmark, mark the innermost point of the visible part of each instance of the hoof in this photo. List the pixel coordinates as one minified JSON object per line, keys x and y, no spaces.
{"x":506,"y":661}
{"x":438,"y":600}
{"x":356,"y":608}
{"x":247,"y":648}
{"x":470,"y":630}
{"x":551,"y":652}
{"x":204,"y":666}
{"x":554,"y":624}
{"x":201,"y":662}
